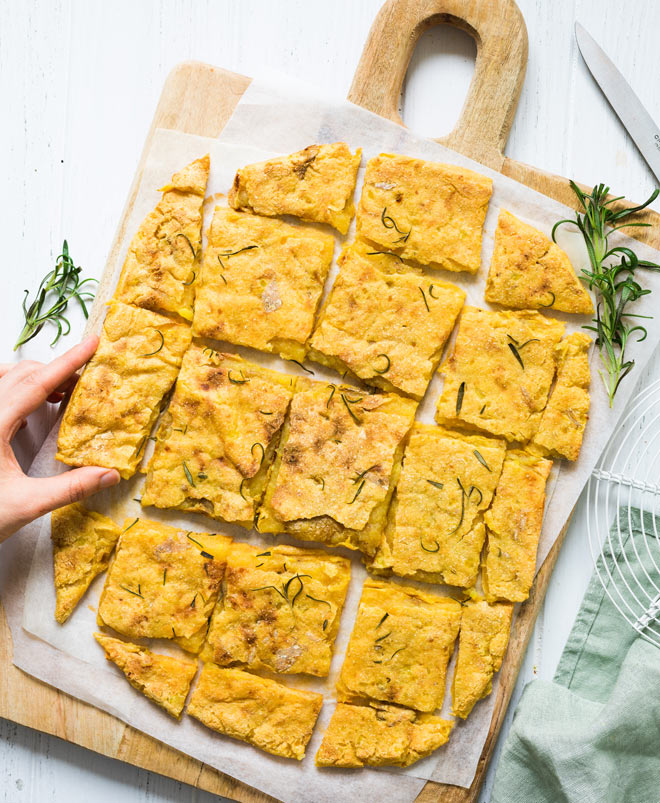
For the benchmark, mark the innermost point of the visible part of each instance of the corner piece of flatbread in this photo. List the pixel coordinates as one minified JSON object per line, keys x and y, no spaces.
{"x":83,"y":541}
{"x":529,"y":271}
{"x":161,"y":266}
{"x":315,"y":184}
{"x":161,"y":678}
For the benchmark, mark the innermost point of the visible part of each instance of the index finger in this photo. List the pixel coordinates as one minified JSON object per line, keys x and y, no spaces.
{"x":34,"y":388}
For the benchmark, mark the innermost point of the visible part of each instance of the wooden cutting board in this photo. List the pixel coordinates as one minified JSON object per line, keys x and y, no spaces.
{"x":199,"y":99}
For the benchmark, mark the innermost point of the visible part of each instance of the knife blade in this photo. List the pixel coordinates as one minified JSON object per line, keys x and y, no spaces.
{"x":637,"y":121}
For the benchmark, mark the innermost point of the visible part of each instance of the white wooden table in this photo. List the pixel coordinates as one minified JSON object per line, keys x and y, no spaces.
{"x":79,"y":81}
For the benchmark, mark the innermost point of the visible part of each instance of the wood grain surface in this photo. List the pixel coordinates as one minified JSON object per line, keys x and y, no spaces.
{"x":199,"y":99}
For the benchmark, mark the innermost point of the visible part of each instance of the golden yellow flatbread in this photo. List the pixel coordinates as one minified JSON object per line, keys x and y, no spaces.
{"x":314,"y":184}
{"x":217,"y":440}
{"x":261,"y":282}
{"x":83,"y":541}
{"x":481,"y":646}
{"x":384,"y":321}
{"x":162,"y":261}
{"x":333,"y":476}
{"x":429,"y":212}
{"x":513,"y":524}
{"x":401,"y":644}
{"x":380,"y":735}
{"x":529,"y":271}
{"x":119,"y":396}
{"x":564,"y":419}
{"x":280,"y":610}
{"x":435,"y":529}
{"x":261,"y":712}
{"x":499,"y":375}
{"x":163,"y":583}
{"x":161,"y":678}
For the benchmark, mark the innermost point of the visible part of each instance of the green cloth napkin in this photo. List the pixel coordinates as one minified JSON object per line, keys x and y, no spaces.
{"x":592,"y":735}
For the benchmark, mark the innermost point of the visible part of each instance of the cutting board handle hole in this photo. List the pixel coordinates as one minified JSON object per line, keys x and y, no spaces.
{"x":446,"y":55}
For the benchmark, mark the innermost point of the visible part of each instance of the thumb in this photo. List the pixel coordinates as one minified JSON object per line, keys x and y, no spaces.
{"x":71,"y":486}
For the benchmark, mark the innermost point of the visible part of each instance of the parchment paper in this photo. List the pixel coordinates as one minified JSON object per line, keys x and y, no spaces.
{"x":67,"y":657}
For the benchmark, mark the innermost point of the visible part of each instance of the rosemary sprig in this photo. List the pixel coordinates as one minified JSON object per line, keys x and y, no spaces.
{"x":57,"y":288}
{"x":612,"y":277}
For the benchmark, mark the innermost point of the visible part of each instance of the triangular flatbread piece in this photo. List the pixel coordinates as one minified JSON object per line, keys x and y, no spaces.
{"x":161,"y":678}
{"x":162,"y":261}
{"x":315,"y":184}
{"x":529,"y":271}
{"x":83,"y":541}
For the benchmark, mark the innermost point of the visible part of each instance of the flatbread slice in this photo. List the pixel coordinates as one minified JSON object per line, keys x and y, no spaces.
{"x":513,"y":524}
{"x":280,"y":610}
{"x":380,"y":735}
{"x":161,"y":678}
{"x":529,"y":271}
{"x":163,"y":583}
{"x":400,"y":646}
{"x":335,"y":469}
{"x":481,"y":646}
{"x":565,"y":418}
{"x":315,"y":184}
{"x":162,"y":262}
{"x":216,"y":442}
{"x":429,"y":212}
{"x":83,"y":541}
{"x":499,"y":375}
{"x":384,"y":321}
{"x":119,"y":396}
{"x":261,"y":282}
{"x":435,"y":528}
{"x":261,"y":712}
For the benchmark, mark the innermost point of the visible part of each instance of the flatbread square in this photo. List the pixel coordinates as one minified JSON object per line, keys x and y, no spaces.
{"x":499,"y":375}
{"x":513,"y":525}
{"x":435,"y":529}
{"x":261,"y":712}
{"x":83,"y":541}
{"x":380,"y":735}
{"x":565,"y":417}
{"x":401,"y":644}
{"x":261,"y":282}
{"x":163,"y":583}
{"x":280,"y":610}
{"x":162,"y":261}
{"x":429,"y":212}
{"x":161,"y":678}
{"x":481,"y":646}
{"x":529,"y":271}
{"x":118,"y":397}
{"x":384,"y":321}
{"x":314,"y":184}
{"x":217,"y":440}
{"x":334,"y":473}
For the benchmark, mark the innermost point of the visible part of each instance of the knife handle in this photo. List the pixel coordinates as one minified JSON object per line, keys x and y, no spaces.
{"x":501,"y":36}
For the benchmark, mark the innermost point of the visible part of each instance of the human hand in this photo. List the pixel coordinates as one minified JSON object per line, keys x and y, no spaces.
{"x":24,"y":387}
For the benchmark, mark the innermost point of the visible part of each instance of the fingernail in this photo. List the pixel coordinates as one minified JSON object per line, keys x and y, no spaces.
{"x":109,"y":479}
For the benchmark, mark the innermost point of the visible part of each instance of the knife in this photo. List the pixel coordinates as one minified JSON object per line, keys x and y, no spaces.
{"x":637,"y":121}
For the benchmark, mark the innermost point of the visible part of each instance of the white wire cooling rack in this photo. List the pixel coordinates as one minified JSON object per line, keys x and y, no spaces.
{"x":627,"y":557}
